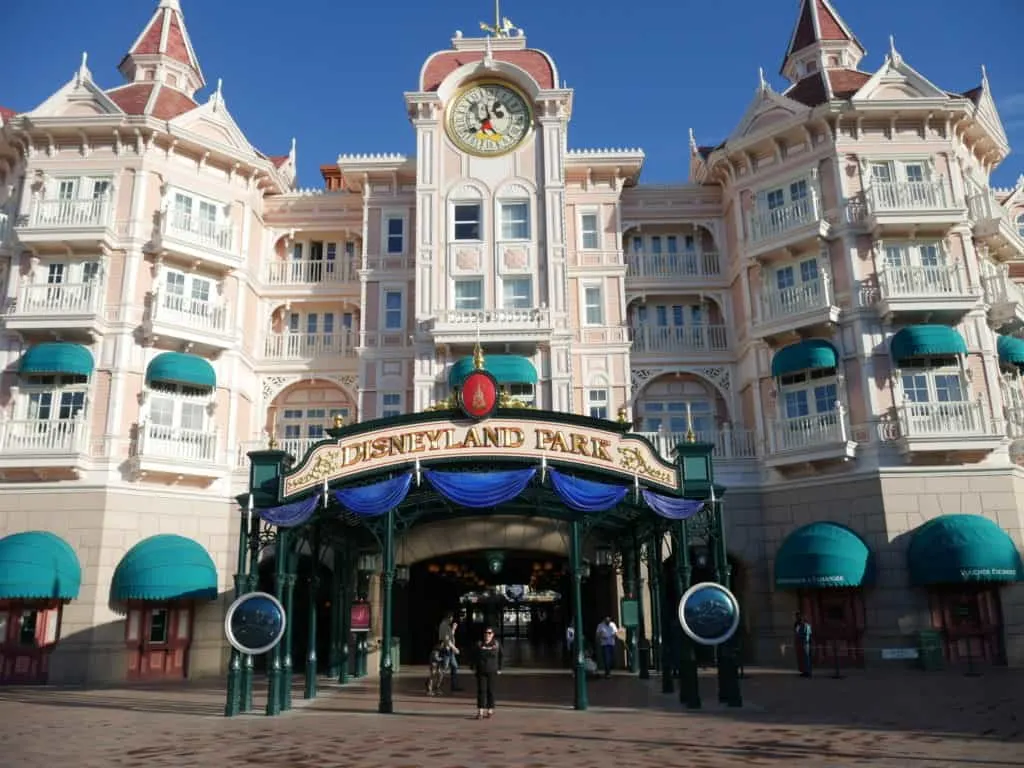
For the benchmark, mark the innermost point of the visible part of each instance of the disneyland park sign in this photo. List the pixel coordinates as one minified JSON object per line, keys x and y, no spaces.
{"x":526,"y":437}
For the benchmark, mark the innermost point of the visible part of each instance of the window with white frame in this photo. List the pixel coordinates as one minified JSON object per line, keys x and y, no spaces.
{"x":914,"y":254}
{"x":324,"y":260}
{"x":515,"y":220}
{"x":590,"y":235}
{"x":593,"y":305}
{"x":934,"y":380}
{"x":522,"y":392}
{"x":179,"y":411}
{"x":1020,"y":225}
{"x":394,"y":315}
{"x":69,"y":285}
{"x":805,"y":394}
{"x":670,"y":315}
{"x":896,"y":171}
{"x":597,"y":403}
{"x":394,"y":235}
{"x":784,"y":196}
{"x":79,"y":188}
{"x":669,"y":415}
{"x":53,"y":399}
{"x":204,"y":218}
{"x":516,"y":292}
{"x":469,"y":294}
{"x":187,"y":293}
{"x":466,"y":221}
{"x":308,"y":423}
{"x":916,"y":266}
{"x":390,"y":404}
{"x":796,"y":282}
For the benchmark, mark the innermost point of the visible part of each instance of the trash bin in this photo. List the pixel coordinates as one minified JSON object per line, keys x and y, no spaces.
{"x":929,"y":650}
{"x":396,"y":653}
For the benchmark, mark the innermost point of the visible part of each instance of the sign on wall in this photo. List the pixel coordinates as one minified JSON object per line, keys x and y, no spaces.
{"x":501,"y":438}
{"x":360,"y":617}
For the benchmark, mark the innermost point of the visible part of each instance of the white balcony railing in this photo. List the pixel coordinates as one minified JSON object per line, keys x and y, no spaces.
{"x":917,"y":281}
{"x":307,"y":346}
{"x":71,"y":214}
{"x":999,"y":286}
{"x":171,"y":444}
{"x":768,"y":225}
{"x":43,"y":436}
{"x":886,"y":196}
{"x":945,"y":420}
{"x":683,"y":338}
{"x":296,"y":446}
{"x":184,"y":311}
{"x":730,"y":443}
{"x":490,"y":319}
{"x":212,"y":234}
{"x":311,"y":271}
{"x":778,"y":304}
{"x":59,"y":299}
{"x":807,"y":432}
{"x":674,"y":266}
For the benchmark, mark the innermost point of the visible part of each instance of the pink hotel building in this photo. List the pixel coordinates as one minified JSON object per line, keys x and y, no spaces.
{"x":831,"y":299}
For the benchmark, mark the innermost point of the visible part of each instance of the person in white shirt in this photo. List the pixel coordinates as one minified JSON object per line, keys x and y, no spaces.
{"x":606,"y":634}
{"x":570,"y":638}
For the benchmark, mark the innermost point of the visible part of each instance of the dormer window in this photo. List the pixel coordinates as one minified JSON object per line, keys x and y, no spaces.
{"x":812,"y":67}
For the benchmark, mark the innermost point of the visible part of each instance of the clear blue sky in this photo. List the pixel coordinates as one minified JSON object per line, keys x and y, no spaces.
{"x":332,"y":73}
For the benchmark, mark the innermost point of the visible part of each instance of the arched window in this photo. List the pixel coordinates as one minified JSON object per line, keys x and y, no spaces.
{"x":1020,"y":224}
{"x":666,"y":407}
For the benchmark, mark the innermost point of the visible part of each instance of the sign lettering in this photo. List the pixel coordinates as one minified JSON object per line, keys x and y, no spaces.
{"x":626,"y":455}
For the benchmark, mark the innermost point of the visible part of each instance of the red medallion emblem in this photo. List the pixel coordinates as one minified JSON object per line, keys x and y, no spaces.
{"x":479,"y":395}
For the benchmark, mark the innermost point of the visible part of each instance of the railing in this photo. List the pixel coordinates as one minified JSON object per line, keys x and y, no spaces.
{"x":944,"y":420}
{"x":51,"y":436}
{"x":203,"y":231}
{"x":602,"y":334}
{"x":730,"y":443}
{"x":187,"y":312}
{"x":296,"y":446}
{"x":305,"y":346}
{"x":683,"y":338}
{"x":59,"y":299}
{"x":983,"y":207}
{"x":795,"y":300}
{"x":920,"y":281}
{"x":906,"y":196}
{"x":766,"y":225}
{"x":311,"y":271}
{"x":90,"y":212}
{"x":807,"y":432}
{"x":503,"y":318}
{"x":999,"y":286}
{"x":674,"y":266}
{"x":176,"y":444}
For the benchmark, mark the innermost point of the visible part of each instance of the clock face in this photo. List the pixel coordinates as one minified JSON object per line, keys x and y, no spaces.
{"x":489,"y":119}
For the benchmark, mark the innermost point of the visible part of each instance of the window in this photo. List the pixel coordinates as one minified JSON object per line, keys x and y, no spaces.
{"x":670,"y":416}
{"x":394,"y":233}
{"x":524,"y":393}
{"x":515,"y":221}
{"x":188,"y":294}
{"x":1020,"y":225}
{"x":590,"y":239}
{"x":390,"y":404}
{"x":795,"y":282}
{"x":517,"y":292}
{"x":159,"y":620}
{"x":593,"y":305}
{"x":780,"y":197}
{"x":808,"y":393}
{"x":309,"y":423}
{"x":28,"y":623}
{"x":393,"y":314}
{"x":179,"y":411}
{"x":81,"y":188}
{"x":890,"y":171}
{"x":467,"y":221}
{"x":914,"y":254}
{"x":933,"y":380}
{"x":597,"y":403}
{"x":54,"y":398}
{"x":203,"y":218}
{"x":469,"y":294}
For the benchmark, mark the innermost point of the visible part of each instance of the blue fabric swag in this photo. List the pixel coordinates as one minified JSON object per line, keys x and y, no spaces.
{"x":374,"y":500}
{"x":480,"y":490}
{"x":671,"y":508}
{"x":586,"y":495}
{"x":290,"y":515}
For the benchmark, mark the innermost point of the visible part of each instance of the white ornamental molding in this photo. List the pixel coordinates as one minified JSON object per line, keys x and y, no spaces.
{"x":718,"y":376}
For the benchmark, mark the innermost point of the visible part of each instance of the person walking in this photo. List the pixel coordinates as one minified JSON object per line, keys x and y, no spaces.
{"x":570,"y":639}
{"x":488,"y":667}
{"x":802,"y":643}
{"x":606,"y":634}
{"x":446,"y":636}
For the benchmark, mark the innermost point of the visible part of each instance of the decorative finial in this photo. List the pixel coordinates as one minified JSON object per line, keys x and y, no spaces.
{"x":623,"y":415}
{"x":984,"y":75}
{"x":272,"y":442}
{"x":502,"y":27}
{"x":478,"y":357}
{"x":83,"y":69}
{"x":339,"y":421}
{"x":762,"y":84}
{"x":691,"y":437}
{"x":894,"y":55}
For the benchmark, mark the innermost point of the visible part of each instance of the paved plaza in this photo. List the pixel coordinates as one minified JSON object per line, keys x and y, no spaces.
{"x":880,"y":718}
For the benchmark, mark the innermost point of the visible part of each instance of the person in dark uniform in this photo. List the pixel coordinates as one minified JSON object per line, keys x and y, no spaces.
{"x":488,"y":667}
{"x":802,"y":643}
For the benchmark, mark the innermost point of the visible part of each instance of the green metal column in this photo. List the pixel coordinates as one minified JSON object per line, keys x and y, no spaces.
{"x":280,"y":575}
{"x":334,"y":659}
{"x":345,"y":651}
{"x":252,"y":582}
{"x":309,"y":691}
{"x":234,"y":701}
{"x":576,"y":566}
{"x":728,"y":662}
{"x":654,"y":593}
{"x":660,"y":622}
{"x":643,"y":650}
{"x":689,"y":684}
{"x":292,"y":558}
{"x":629,"y":561}
{"x":387,"y":670}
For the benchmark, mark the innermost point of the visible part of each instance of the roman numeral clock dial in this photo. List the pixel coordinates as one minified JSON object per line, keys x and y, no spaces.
{"x":489,"y":119}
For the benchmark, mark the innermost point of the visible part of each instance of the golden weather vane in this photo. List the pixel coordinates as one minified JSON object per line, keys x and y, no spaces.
{"x":502,"y":27}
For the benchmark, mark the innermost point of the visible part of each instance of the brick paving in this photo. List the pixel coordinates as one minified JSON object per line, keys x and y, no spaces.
{"x":883,"y":718}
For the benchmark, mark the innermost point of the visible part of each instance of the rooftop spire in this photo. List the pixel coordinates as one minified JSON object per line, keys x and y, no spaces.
{"x":821,"y":40}
{"x":163,"y":52}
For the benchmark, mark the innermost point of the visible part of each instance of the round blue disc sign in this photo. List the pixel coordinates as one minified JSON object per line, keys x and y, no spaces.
{"x":255,"y":623}
{"x":709,"y":613}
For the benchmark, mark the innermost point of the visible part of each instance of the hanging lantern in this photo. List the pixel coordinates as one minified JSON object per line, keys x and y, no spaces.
{"x":433,"y":568}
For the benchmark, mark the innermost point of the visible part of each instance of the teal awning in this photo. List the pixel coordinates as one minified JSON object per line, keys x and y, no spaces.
{"x":809,"y":355}
{"x":1011,"y":350}
{"x":925,"y":341}
{"x":179,"y":368}
{"x":38,"y":565}
{"x":954,"y":549}
{"x":507,"y":369}
{"x":57,"y":357}
{"x":823,"y":555}
{"x":165,"y":567}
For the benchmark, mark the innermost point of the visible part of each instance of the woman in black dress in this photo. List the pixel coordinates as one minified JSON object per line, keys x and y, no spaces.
{"x":488,"y":667}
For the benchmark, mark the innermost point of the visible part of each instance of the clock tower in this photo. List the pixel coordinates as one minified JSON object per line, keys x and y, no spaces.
{"x":490,"y":234}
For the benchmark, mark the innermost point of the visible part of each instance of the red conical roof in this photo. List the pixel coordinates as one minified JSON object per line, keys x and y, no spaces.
{"x":819,"y":22}
{"x":166,"y":35}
